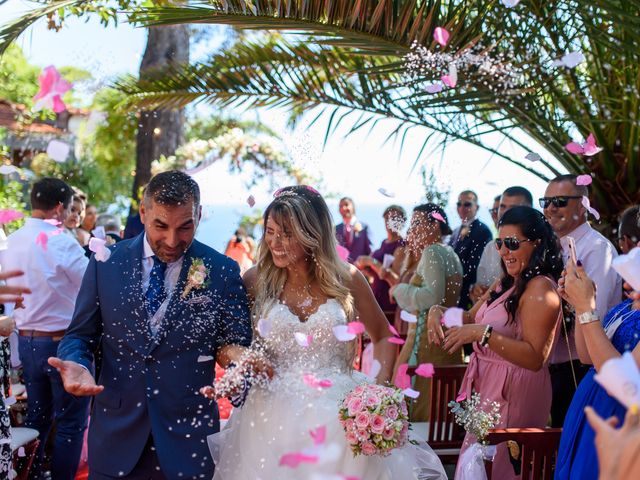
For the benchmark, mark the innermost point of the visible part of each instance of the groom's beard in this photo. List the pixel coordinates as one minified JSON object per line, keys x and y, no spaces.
{"x":170,"y":255}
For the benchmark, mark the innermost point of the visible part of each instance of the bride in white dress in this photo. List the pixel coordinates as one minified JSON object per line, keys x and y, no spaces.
{"x":300,"y":286}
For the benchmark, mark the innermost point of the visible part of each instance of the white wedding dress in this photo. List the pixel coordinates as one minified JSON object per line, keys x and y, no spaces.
{"x":276,"y":420}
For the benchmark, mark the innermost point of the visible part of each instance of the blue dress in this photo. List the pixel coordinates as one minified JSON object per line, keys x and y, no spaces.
{"x":577,"y":457}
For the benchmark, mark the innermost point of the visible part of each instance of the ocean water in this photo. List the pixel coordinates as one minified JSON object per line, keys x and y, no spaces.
{"x":220,"y":221}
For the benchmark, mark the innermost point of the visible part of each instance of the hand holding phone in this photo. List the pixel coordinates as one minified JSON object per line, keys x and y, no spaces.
{"x":572,"y":250}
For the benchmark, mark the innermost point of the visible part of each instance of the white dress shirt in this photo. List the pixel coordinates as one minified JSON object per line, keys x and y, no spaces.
{"x":490,"y":266}
{"x":53,"y":273}
{"x":171,"y":274}
{"x":596,"y":254}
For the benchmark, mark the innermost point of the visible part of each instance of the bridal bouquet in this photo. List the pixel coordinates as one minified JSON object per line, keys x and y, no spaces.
{"x":477,"y":417}
{"x":375,"y":419}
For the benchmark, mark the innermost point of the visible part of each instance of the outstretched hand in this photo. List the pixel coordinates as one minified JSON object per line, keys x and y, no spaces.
{"x":12,"y":293}
{"x":616,"y":447}
{"x":77,"y":380}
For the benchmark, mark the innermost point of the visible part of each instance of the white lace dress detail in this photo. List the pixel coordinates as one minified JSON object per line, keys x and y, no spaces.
{"x":276,"y":419}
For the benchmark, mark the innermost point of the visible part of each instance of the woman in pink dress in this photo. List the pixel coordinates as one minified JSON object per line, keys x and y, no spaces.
{"x":512,"y":329}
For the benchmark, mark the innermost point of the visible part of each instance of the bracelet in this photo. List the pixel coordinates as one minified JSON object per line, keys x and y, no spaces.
{"x":587,"y":317}
{"x":486,"y":335}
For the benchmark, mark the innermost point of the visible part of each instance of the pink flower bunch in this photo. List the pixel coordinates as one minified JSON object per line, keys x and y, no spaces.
{"x":375,"y":419}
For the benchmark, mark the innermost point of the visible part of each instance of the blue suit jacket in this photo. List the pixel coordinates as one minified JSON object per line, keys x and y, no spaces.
{"x":151,"y":383}
{"x":469,"y":250}
{"x":360,"y":244}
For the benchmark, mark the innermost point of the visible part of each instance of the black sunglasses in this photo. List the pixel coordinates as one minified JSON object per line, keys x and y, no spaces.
{"x":511,"y":243}
{"x":558,"y":202}
{"x":465,"y":204}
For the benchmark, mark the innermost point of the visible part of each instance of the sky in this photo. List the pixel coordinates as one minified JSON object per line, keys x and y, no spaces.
{"x":358,"y":165}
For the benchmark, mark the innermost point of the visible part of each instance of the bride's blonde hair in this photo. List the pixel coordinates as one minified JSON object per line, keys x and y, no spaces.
{"x":302,"y":211}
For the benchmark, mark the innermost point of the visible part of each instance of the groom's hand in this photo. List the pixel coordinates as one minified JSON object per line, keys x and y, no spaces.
{"x":76,"y":379}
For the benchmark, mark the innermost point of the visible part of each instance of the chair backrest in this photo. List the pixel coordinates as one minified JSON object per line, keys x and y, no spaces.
{"x":538,"y":449}
{"x":444,"y":432}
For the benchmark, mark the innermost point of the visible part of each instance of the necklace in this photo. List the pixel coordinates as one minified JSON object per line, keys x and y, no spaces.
{"x":618,"y":319}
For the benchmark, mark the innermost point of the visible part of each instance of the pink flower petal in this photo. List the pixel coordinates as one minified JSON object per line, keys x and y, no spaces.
{"x":264,"y":327}
{"x":461,"y":396}
{"x":58,"y":104}
{"x":8,"y":215}
{"x":42,"y":240}
{"x":302,"y":339}
{"x":376,"y":366}
{"x":590,"y":147}
{"x":395,"y":340}
{"x":251,"y":201}
{"x":393,"y":330}
{"x":451,"y":80}
{"x":453,"y":317}
{"x":402,"y":380}
{"x":343,"y":253}
{"x":411,"y":393}
{"x":437,"y":216}
{"x":434,"y":88}
{"x":584,"y":180}
{"x":355,"y":327}
{"x":319,"y":435}
{"x":53,"y":221}
{"x":52,"y":87}
{"x":448,"y":81}
{"x":425,"y":370}
{"x":294,"y":459}
{"x":386,"y":193}
{"x":341,"y":332}
{"x":586,"y":204}
{"x":311,"y":380}
{"x":441,"y":35}
{"x":574,"y":148}
{"x":408,"y":317}
{"x":533,"y":157}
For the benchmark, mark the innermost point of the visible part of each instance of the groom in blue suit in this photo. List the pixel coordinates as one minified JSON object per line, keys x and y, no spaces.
{"x":162,"y":309}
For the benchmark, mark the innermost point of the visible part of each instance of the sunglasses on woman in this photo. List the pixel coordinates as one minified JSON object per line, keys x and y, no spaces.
{"x":558,"y":202}
{"x":511,"y":243}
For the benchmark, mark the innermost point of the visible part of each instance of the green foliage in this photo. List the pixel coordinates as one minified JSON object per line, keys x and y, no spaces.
{"x":11,"y":197}
{"x":433,"y":193}
{"x":108,"y":155}
{"x":214,"y":126}
{"x":251,"y":221}
{"x":352,"y":63}
{"x":18,"y":79}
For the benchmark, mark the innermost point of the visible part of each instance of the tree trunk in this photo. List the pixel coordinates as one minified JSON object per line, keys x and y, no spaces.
{"x":160,"y":132}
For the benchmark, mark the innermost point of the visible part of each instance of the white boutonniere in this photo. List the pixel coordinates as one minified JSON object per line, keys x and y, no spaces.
{"x":197,"y":277}
{"x":357,"y":227}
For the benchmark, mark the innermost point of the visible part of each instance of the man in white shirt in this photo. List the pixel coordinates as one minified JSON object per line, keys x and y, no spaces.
{"x":562,"y":205}
{"x":490,"y":266}
{"x":54,"y":265}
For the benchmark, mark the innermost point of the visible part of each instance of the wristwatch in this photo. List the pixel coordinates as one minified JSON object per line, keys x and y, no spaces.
{"x":587,"y":317}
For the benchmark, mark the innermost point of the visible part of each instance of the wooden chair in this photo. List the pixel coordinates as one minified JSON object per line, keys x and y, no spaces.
{"x":24,"y":443}
{"x":538,"y":450}
{"x":443,"y":434}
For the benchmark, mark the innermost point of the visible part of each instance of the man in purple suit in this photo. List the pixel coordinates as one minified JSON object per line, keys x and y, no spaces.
{"x":352,"y":234}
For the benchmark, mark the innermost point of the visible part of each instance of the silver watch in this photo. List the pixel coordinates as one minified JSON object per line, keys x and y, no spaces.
{"x":587,"y":317}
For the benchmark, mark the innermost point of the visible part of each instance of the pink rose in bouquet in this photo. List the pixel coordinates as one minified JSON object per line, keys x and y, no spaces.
{"x":374,"y":419}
